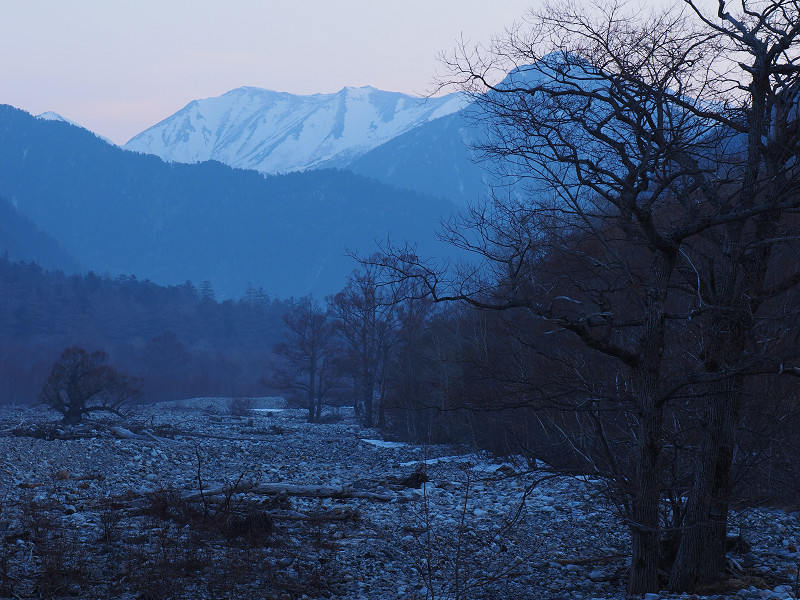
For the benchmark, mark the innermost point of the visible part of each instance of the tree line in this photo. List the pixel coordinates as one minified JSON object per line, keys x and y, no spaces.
{"x":178,"y":339}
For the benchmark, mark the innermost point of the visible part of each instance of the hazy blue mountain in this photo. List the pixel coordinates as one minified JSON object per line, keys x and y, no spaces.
{"x":275,"y":132}
{"x":21,"y":240}
{"x":438,"y":157}
{"x":433,"y":158}
{"x":123,"y":212}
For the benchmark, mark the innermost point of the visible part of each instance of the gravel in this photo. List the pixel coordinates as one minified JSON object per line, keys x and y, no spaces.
{"x":80,"y":517}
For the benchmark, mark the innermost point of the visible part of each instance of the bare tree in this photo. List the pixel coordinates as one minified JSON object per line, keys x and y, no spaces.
{"x":81,"y":383}
{"x":409,"y":397}
{"x":744,"y":278}
{"x":365,"y":320}
{"x":657,"y":180}
{"x":309,"y":353}
{"x":596,"y":124}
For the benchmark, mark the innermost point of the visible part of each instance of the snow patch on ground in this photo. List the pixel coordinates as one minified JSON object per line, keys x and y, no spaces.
{"x":384,"y":444}
{"x":439,"y":460}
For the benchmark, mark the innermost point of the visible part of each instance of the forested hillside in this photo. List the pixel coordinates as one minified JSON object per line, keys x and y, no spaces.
{"x":180,"y":340}
{"x":20,"y":239}
{"x":122,"y":212}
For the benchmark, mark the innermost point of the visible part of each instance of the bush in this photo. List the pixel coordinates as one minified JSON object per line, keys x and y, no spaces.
{"x":81,"y":383}
{"x":241,"y":407}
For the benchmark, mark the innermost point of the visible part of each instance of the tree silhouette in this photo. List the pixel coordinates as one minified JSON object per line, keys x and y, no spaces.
{"x":308,"y":354}
{"x":656,"y":193}
{"x":365,"y":321}
{"x":81,"y":383}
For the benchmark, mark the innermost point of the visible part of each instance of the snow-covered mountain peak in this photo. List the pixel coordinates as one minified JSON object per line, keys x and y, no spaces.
{"x":54,"y":116}
{"x":273,"y":132}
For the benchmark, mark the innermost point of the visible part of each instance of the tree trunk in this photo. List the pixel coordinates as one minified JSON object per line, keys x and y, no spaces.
{"x":718,"y":521}
{"x":367,"y":389}
{"x":701,"y":553}
{"x":645,"y":530}
{"x":290,"y":489}
{"x":72,"y":416}
{"x":312,"y":396}
{"x":739,"y":286}
{"x":693,"y":551}
{"x":382,"y":396}
{"x":645,"y":527}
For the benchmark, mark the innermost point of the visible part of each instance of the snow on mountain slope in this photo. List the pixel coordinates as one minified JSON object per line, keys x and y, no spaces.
{"x":54,"y":116}
{"x":276,"y":132}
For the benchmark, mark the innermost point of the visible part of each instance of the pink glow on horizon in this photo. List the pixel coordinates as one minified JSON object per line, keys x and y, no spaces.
{"x":119,"y":67}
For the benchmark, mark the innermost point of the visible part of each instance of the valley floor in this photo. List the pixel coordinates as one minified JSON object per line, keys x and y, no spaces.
{"x":115,"y":510}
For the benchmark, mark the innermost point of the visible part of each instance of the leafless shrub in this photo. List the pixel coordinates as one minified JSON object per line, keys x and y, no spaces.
{"x":241,"y":407}
{"x":109,"y":522}
{"x":458,"y":559}
{"x":168,"y":504}
{"x":253,"y":526}
{"x":6,"y":550}
{"x":63,"y":560}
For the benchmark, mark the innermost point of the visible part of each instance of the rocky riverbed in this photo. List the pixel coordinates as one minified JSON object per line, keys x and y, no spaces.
{"x":186,"y":500}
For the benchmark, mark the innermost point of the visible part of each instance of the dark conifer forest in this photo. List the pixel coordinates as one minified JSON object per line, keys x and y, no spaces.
{"x":179,"y":339}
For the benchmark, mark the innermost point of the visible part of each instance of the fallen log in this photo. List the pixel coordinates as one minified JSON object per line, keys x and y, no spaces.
{"x":126,"y":434}
{"x":130,"y":507}
{"x":328,"y":515}
{"x":306,"y":491}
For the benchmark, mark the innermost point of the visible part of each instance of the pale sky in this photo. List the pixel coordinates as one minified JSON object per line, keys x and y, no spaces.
{"x":119,"y":66}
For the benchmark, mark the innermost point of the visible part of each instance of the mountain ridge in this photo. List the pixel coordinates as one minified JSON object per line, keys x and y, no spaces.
{"x":277,"y":132}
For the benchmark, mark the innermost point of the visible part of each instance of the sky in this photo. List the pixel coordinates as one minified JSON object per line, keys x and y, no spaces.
{"x":119,"y":66}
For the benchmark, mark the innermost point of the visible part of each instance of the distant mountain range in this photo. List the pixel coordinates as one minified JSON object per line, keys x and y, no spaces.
{"x":275,"y":132}
{"x":410,"y":142}
{"x":117,"y":212}
{"x":258,"y":187}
